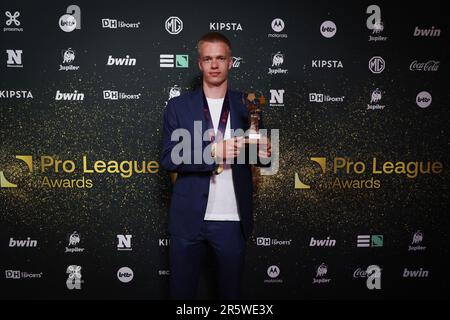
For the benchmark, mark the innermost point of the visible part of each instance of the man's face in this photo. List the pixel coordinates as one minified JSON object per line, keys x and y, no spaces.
{"x":214,"y":61}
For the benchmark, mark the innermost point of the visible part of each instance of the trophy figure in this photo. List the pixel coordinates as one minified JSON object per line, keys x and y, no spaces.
{"x":254,"y":105}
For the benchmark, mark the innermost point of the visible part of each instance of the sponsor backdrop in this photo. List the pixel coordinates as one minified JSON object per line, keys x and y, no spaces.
{"x":356,"y":208}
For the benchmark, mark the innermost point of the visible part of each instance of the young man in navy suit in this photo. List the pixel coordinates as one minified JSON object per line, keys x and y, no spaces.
{"x":212,"y":199}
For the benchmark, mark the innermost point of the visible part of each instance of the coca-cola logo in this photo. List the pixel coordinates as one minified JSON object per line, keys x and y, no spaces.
{"x":431,"y":65}
{"x":360,"y":273}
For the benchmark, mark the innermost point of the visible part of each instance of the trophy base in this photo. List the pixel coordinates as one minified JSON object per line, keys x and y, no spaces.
{"x":255,"y":138}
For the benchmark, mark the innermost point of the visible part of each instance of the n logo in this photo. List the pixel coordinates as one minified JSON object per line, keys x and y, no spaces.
{"x":124,"y":242}
{"x":321,"y":161}
{"x":276,"y":96}
{"x":14,"y":58}
{"x":4,"y":183}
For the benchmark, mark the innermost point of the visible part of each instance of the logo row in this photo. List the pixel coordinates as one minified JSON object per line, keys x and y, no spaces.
{"x":372,"y":274}
{"x":124,"y":242}
{"x":71,"y":21}
{"x":321,"y":275}
{"x":376,"y":64}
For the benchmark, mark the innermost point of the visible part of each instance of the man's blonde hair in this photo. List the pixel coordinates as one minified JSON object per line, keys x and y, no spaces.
{"x":213,"y":37}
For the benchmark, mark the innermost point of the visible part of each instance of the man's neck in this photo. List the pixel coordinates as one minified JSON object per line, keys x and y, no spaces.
{"x":215,"y":92}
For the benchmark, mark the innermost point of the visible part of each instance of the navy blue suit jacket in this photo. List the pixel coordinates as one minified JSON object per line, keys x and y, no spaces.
{"x":191,"y":189}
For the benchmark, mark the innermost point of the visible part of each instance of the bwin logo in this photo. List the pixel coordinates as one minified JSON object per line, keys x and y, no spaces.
{"x":124,"y":242}
{"x":373,"y":277}
{"x":127,"y":61}
{"x":415,"y":273}
{"x":72,"y":20}
{"x":74,"y":277}
{"x":322,"y":242}
{"x":4,"y":183}
{"x":276,"y":97}
{"x":427,"y":32}
{"x":273,"y":271}
{"x":14,"y":58}
{"x":299,"y":184}
{"x":22,"y":243}
{"x":75,"y":96}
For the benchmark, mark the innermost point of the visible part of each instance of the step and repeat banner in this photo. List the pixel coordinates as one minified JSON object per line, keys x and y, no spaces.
{"x":356,"y":208}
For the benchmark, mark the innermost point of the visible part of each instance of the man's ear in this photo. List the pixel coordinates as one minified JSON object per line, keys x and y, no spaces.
{"x":230,"y":63}
{"x":199,"y":64}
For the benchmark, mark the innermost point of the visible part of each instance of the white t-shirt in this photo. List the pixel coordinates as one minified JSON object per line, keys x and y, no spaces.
{"x":222,"y":204}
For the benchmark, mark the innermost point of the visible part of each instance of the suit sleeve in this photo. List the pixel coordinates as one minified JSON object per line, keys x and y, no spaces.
{"x":171,"y":123}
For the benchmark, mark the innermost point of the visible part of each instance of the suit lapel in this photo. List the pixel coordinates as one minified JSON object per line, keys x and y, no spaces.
{"x":196,"y":110}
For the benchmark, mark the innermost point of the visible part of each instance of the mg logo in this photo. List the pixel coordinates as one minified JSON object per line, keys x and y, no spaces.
{"x":124,"y":242}
{"x":174,"y":25}
{"x":376,"y":64}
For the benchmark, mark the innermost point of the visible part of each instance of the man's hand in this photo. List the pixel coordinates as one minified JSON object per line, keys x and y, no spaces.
{"x":227,"y":149}
{"x":264,"y":148}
